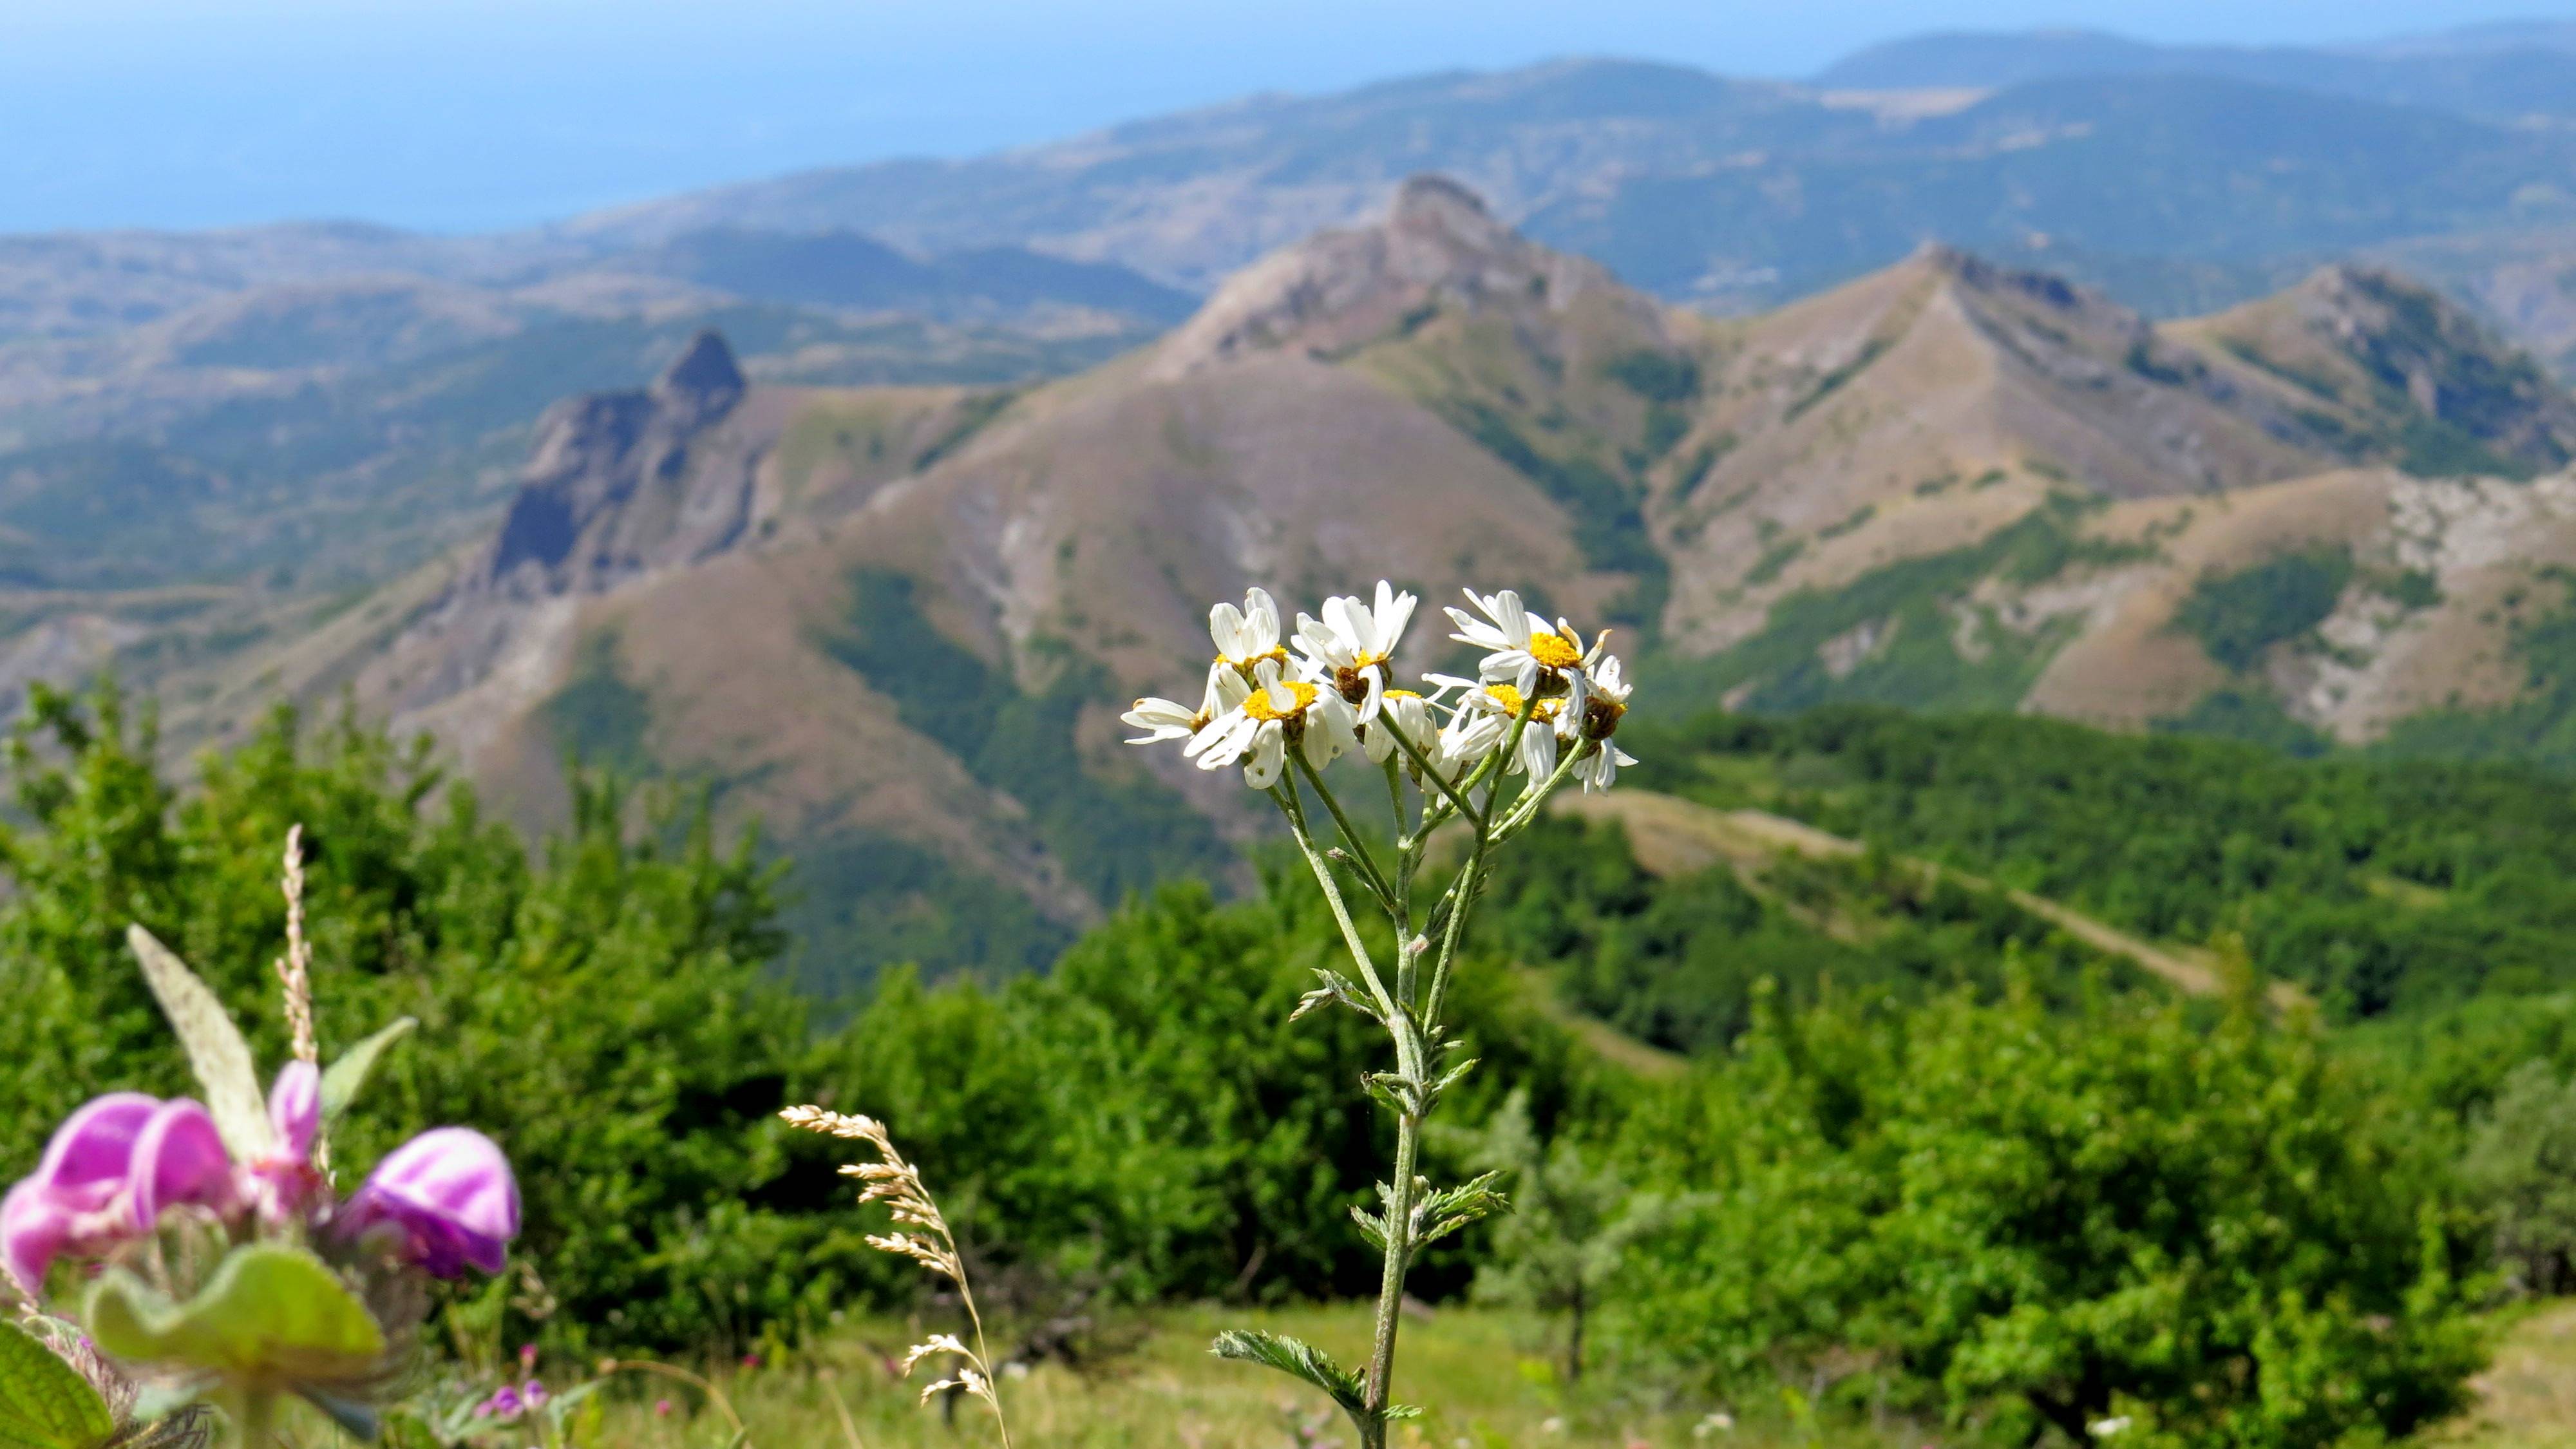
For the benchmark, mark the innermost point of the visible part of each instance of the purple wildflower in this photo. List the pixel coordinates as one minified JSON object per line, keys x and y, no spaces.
{"x":106,"y":1176}
{"x":450,"y":1193}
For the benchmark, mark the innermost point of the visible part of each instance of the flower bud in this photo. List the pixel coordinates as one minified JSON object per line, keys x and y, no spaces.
{"x":450,"y":1193}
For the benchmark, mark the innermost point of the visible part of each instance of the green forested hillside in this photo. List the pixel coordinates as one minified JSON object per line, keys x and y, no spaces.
{"x":2376,"y":884}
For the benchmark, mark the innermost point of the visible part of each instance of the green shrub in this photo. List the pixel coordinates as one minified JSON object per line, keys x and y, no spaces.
{"x":2027,"y":1219}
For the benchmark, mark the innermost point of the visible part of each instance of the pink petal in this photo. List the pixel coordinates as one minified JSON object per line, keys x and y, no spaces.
{"x":93,"y":1146}
{"x":34,"y":1229}
{"x":179,"y":1158}
{"x":295,"y":1108}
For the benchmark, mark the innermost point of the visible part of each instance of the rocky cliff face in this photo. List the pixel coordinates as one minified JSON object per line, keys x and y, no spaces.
{"x":610,"y":492}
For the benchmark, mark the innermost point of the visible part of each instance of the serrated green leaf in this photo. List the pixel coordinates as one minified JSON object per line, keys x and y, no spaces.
{"x":342,"y":1082}
{"x":1446,"y":1211}
{"x":1297,"y":1360}
{"x":270,"y":1318}
{"x":44,"y":1402}
{"x":215,"y":1049}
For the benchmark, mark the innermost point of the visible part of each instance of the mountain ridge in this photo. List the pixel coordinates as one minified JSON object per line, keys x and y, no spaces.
{"x":1967,"y":483}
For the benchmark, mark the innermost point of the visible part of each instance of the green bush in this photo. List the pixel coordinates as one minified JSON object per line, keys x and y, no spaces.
{"x":1145,"y":1121}
{"x":2521,"y":1165}
{"x":2028,"y":1219}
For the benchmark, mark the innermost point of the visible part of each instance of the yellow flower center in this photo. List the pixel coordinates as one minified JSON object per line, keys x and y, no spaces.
{"x":1402,"y":694}
{"x":1511,"y":701}
{"x":1246,"y":665}
{"x":1261,"y":707}
{"x":1601,"y":717}
{"x":1352,"y":681}
{"x":1552,"y":651}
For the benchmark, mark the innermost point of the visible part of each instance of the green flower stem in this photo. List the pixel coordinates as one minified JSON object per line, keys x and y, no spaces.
{"x":1423,"y":767}
{"x":1398,"y":1022}
{"x":1390,"y":1293}
{"x":253,"y":1415}
{"x":1358,"y":849}
{"x":1525,"y":809}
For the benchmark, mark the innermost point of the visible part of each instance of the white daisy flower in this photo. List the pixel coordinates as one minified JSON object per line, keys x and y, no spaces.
{"x":1484,"y":716}
{"x":1598,"y":769}
{"x":1406,"y":711}
{"x":1272,"y":717}
{"x":1246,"y":636}
{"x":1350,"y":645}
{"x":1602,"y":708}
{"x":1163,"y":719}
{"x":1519,"y":648}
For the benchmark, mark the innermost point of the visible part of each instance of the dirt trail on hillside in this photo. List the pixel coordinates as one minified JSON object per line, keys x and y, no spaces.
{"x":1673,"y":836}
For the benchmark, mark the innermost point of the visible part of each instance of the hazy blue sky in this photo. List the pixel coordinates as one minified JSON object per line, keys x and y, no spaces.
{"x":465,"y":114}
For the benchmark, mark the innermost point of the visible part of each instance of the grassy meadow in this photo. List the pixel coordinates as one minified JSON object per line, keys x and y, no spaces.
{"x":1489,"y":1374}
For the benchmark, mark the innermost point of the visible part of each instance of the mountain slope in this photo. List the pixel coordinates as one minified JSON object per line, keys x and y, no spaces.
{"x":898,"y":623}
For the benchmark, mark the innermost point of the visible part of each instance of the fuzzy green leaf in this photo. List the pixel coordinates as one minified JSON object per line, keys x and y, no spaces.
{"x":215,"y":1049}
{"x":271,"y":1317}
{"x":342,"y":1082}
{"x":44,"y":1402}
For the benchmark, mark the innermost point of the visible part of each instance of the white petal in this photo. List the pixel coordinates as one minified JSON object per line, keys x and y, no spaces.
{"x":1394,"y":612}
{"x":1225,"y":626}
{"x":1269,"y":756}
{"x":1538,"y":751}
{"x":1375,"y":675}
{"x":1261,"y":621}
{"x":1378,"y":741}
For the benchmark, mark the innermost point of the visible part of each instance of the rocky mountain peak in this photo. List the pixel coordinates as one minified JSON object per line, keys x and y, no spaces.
{"x":1437,"y":246}
{"x":702,"y":383}
{"x":1435,"y":207}
{"x":610,"y":488}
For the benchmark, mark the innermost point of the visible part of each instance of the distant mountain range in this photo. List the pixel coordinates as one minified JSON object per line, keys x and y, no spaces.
{"x":2509,"y":73}
{"x":898,"y":622}
{"x":1846,"y":390}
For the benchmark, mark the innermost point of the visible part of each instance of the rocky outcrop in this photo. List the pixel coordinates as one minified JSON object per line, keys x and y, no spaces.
{"x":619,"y":486}
{"x":1438,"y":246}
{"x":2414,"y":342}
{"x":611,"y":491}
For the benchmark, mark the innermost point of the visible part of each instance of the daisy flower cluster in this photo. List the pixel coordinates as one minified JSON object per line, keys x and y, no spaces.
{"x":1543,"y":707}
{"x":1543,"y":687}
